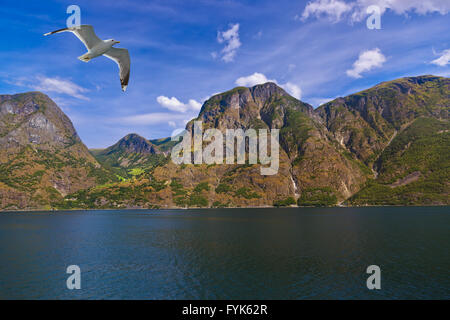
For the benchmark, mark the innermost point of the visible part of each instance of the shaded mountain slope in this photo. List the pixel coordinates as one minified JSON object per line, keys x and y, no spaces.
{"x":41,"y":156}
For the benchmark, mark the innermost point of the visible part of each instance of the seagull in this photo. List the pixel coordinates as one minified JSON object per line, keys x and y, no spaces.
{"x":97,"y":47}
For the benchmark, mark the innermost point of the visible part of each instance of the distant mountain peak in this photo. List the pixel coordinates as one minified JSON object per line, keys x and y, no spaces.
{"x":133,"y":143}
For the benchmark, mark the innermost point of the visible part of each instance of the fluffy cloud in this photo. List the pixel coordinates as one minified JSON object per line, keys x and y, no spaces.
{"x":61,"y":86}
{"x":232,"y":42}
{"x":174,"y":104}
{"x":335,"y":10}
{"x":56,"y":85}
{"x":443,"y":60}
{"x":367,"y":61}
{"x":252,"y":80}
{"x":293,"y":89}
{"x":332,"y":9}
{"x":259,"y":78}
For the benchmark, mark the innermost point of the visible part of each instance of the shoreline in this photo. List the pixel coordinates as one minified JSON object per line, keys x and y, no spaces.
{"x":232,"y":208}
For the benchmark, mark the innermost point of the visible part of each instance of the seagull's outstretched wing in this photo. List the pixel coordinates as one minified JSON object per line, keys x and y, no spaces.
{"x":85,"y":33}
{"x":122,"y":58}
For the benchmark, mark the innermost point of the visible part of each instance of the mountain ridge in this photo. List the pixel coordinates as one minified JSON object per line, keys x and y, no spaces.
{"x":384,"y":145}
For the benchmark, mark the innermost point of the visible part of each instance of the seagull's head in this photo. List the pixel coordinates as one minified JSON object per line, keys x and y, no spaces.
{"x":113,"y":41}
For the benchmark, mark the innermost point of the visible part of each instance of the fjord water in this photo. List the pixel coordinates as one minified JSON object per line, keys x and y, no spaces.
{"x":303,"y":253}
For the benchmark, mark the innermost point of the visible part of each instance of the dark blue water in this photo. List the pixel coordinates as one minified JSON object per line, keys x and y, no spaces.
{"x":227,"y":254}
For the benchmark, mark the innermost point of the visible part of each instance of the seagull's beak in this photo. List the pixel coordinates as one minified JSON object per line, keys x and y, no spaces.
{"x":117,"y":41}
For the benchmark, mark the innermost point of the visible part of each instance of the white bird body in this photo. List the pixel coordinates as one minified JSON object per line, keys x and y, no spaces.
{"x":100,"y":49}
{"x":97,"y":47}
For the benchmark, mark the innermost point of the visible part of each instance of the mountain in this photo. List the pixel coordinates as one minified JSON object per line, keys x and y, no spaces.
{"x":367,"y":121}
{"x":387,"y":145}
{"x":42,"y":159}
{"x":309,"y":158}
{"x":414,"y":169}
{"x":399,"y":129}
{"x":130,"y":156}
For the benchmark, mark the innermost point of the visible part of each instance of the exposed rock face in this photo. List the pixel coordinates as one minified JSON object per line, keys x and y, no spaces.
{"x":365,"y":122}
{"x":33,"y":118}
{"x":312,"y":160}
{"x":262,"y":106}
{"x":41,"y":156}
{"x":385,"y":145}
{"x":352,"y":147}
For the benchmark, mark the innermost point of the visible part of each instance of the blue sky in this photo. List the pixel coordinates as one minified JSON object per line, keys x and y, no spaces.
{"x":184,"y":51}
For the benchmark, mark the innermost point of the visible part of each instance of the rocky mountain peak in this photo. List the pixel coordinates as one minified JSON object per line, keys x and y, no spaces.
{"x":254,"y":107}
{"x":267,"y":90}
{"x":41,"y":154}
{"x":33,"y":118}
{"x":134,"y":143}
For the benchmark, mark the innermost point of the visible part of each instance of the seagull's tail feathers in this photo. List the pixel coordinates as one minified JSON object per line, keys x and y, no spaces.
{"x":85,"y":57}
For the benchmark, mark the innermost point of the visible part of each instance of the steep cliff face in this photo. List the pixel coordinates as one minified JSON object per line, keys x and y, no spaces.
{"x":41,"y":155}
{"x":262,"y":106}
{"x":311,"y":163}
{"x":385,"y":145}
{"x":312,"y":157}
{"x":400,"y":130}
{"x":365,"y":122}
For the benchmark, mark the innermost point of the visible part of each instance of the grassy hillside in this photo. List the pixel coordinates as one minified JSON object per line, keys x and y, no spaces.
{"x":414,"y":169}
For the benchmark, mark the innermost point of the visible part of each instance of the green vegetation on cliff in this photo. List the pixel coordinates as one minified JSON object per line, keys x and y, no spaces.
{"x":387,"y":145}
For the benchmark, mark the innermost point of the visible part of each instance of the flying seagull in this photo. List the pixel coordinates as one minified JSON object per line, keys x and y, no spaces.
{"x":97,"y":47}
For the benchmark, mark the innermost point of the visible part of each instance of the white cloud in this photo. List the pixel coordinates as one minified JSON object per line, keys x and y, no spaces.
{"x":62,"y":86}
{"x":367,"y":61}
{"x":253,"y":80}
{"x":332,"y":9}
{"x":174,"y":104}
{"x":259,"y":78}
{"x":335,"y":10}
{"x":195,"y":105}
{"x":56,"y":85}
{"x":293,"y":90}
{"x":232,"y":42}
{"x":421,"y":7}
{"x":443,"y":60}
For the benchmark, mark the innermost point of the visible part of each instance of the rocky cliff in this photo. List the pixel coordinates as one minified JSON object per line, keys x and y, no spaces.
{"x":388,"y":145}
{"x":42,"y":159}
